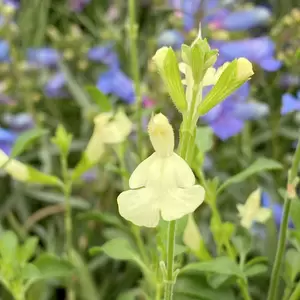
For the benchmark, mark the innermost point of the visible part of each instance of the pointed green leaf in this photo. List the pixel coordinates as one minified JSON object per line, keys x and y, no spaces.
{"x":220,"y":265}
{"x":255,"y":270}
{"x":204,"y":138}
{"x":25,"y":140}
{"x":260,"y":165}
{"x":27,"y":250}
{"x":51,"y":266}
{"x":8,"y":245}
{"x":99,"y":98}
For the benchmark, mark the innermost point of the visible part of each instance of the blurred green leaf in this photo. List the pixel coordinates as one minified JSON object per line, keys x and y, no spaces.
{"x":220,"y":265}
{"x":292,"y":264}
{"x":51,"y":266}
{"x":194,"y":287}
{"x":103,"y":217}
{"x":31,"y":272}
{"x":27,"y":250}
{"x":242,"y":241}
{"x":99,"y":98}
{"x":260,"y":165}
{"x":25,"y":140}
{"x":8,"y":246}
{"x":255,"y":270}
{"x":118,"y":248}
{"x":204,"y":138}
{"x":295,"y":213}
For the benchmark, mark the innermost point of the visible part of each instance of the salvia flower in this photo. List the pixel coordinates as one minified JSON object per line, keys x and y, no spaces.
{"x":252,"y":211}
{"x":55,"y":87}
{"x":18,"y":122}
{"x":290,"y":103}
{"x":163,"y":184}
{"x":43,"y":56}
{"x":4,"y":51}
{"x":104,"y":54}
{"x":115,"y":82}
{"x":276,"y":208}
{"x":78,"y":5}
{"x":243,"y":19}
{"x":7,"y":139}
{"x":259,"y":50}
{"x":171,"y":37}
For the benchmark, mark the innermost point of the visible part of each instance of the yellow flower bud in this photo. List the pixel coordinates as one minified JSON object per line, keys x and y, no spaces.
{"x":161,"y":135}
{"x":160,"y":56}
{"x":244,"y":69}
{"x":14,"y":168}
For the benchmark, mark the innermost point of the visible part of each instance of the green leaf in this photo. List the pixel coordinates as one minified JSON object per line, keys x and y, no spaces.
{"x":260,"y":165}
{"x":295,"y":213}
{"x":255,"y":270}
{"x":195,"y":287}
{"x":130,"y":295}
{"x":51,"y":266}
{"x":27,"y":250}
{"x":242,"y":241}
{"x":103,"y":217}
{"x":118,"y":248}
{"x":204,"y":138}
{"x":292,"y":264}
{"x":25,"y":140}
{"x":99,"y":98}
{"x":37,"y":177}
{"x":9,"y":245}
{"x":221,"y":265}
{"x":31,"y":272}
{"x":62,"y":140}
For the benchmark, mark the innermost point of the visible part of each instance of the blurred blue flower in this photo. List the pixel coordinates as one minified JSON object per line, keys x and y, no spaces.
{"x":289,"y":80}
{"x":19,"y":122}
{"x":7,"y":139}
{"x":290,"y":103}
{"x":276,"y":208}
{"x":115,"y":82}
{"x":171,"y":37}
{"x":55,"y":87}
{"x":4,"y":51}
{"x":43,"y":56}
{"x":243,"y":19}
{"x":188,"y":9}
{"x":104,"y":54}
{"x":14,"y":3}
{"x":78,"y":5}
{"x":258,"y":50}
{"x":90,"y":175}
{"x":227,"y":118}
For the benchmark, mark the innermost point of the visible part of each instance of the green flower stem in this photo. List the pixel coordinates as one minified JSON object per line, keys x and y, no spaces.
{"x":296,"y":293}
{"x":291,"y":186}
{"x":133,"y":35}
{"x":67,"y":189}
{"x":185,"y":146}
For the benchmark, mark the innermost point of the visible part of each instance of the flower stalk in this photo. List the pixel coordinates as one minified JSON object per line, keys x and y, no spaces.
{"x":289,"y":196}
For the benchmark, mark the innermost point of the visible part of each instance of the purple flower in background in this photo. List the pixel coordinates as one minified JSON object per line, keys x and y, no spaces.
{"x":55,"y":87}
{"x":276,"y":208}
{"x":258,"y":50}
{"x":43,"y":56}
{"x":7,"y":139}
{"x":14,"y":3}
{"x":4,"y":51}
{"x":290,"y":103}
{"x":243,"y":19}
{"x":171,"y":37}
{"x":288,"y":80}
{"x":78,"y":5}
{"x":19,"y":122}
{"x":115,"y":82}
{"x":227,"y":118}
{"x":104,"y":54}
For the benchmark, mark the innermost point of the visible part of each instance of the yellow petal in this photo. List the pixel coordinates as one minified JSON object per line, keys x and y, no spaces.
{"x":176,"y":203}
{"x":253,"y":202}
{"x":263,"y":215}
{"x":161,"y":135}
{"x":14,"y":168}
{"x":209,"y":77}
{"x":140,"y":175}
{"x":244,"y":69}
{"x":182,"y":171}
{"x":140,"y":207}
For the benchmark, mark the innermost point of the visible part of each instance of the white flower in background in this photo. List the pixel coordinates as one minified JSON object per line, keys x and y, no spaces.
{"x":163,"y":184}
{"x":252,"y":211}
{"x":14,"y":168}
{"x":109,"y":129}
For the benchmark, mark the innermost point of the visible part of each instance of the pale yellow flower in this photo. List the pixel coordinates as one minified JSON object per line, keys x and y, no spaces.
{"x":252,"y":211}
{"x":14,"y":168}
{"x":109,"y":129}
{"x":244,"y":69}
{"x":163,"y":184}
